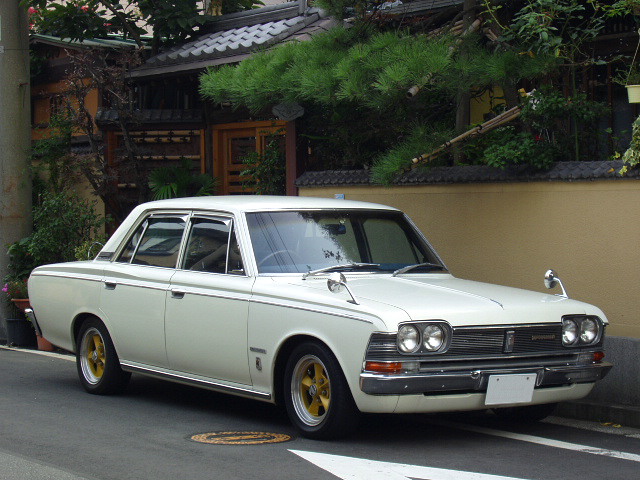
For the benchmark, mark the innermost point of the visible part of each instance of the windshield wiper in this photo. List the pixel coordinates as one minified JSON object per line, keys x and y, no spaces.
{"x":432,"y":266}
{"x":344,"y":266}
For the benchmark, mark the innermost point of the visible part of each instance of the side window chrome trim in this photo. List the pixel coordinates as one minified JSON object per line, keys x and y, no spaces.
{"x":144,"y":222}
{"x":225,"y":218}
{"x":145,"y":226}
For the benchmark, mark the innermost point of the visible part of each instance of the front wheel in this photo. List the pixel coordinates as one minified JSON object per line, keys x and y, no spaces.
{"x":317,"y":397}
{"x":97,"y":362}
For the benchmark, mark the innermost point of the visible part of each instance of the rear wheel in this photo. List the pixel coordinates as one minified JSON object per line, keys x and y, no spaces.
{"x":317,"y":397}
{"x":97,"y":362}
{"x":528,"y":414}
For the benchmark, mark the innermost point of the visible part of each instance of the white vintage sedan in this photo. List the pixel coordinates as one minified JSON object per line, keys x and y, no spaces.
{"x":329,"y":307}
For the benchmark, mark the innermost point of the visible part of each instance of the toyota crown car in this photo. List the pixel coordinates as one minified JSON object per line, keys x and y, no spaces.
{"x":328,"y":307}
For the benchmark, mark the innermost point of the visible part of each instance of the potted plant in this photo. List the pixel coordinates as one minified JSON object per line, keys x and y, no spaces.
{"x":632,"y":83}
{"x":20,"y":332}
{"x":21,"y":263}
{"x":18,"y":293}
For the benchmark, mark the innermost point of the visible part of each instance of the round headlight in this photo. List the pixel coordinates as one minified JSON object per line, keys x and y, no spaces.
{"x":588,"y":330}
{"x":408,"y":339}
{"x":433,"y":337}
{"x":569,"y":332}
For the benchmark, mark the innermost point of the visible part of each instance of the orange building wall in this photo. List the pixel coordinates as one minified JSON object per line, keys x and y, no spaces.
{"x":41,"y":96}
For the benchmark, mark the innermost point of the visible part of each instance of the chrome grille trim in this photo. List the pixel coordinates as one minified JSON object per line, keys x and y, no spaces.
{"x":481,"y":343}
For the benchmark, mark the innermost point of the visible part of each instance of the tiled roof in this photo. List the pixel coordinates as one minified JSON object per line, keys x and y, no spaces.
{"x":231,"y":45}
{"x":561,"y":171}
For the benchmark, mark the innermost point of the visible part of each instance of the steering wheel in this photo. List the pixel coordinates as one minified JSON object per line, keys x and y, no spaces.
{"x":293,"y":255}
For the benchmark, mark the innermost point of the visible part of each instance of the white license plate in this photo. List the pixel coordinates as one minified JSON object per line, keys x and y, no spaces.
{"x":505,"y":389}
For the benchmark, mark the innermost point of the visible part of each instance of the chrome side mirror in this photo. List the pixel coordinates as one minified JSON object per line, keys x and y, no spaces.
{"x":552,"y":280}
{"x":337,"y":283}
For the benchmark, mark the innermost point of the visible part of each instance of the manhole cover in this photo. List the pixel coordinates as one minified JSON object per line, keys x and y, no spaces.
{"x":240,"y":438}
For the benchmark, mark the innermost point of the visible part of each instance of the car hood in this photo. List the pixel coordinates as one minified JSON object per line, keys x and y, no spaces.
{"x":460,"y":302}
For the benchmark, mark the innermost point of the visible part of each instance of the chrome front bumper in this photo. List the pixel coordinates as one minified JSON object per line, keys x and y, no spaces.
{"x":31,"y":316}
{"x":476,"y":380}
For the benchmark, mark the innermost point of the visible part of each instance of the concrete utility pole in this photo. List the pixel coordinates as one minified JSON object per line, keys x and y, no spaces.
{"x":15,"y":134}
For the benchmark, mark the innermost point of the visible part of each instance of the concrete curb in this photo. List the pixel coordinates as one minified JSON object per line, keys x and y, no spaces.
{"x":626,"y":415}
{"x":61,"y":355}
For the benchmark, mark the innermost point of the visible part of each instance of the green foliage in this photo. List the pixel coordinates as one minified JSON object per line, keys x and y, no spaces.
{"x":631,"y":157}
{"x":75,"y":20}
{"x":546,"y":106}
{"x":266,"y":173}
{"x":21,"y":262}
{"x":16,"y":289}
{"x":353,"y":84}
{"x":519,"y":148}
{"x":51,"y":157}
{"x":179,"y":181}
{"x":343,"y":65}
{"x":556,"y":27}
{"x":543,"y":133}
{"x":62,"y":222}
{"x":170,"y":21}
{"x":478,"y":67}
{"x":420,"y":139}
{"x":88,"y":249}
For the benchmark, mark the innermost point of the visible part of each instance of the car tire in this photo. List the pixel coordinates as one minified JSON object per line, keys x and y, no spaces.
{"x":317,"y":397}
{"x":97,"y":362}
{"x":527,"y":414}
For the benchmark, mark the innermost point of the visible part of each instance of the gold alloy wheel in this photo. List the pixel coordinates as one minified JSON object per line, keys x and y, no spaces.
{"x":311,"y":390}
{"x":92,"y":356}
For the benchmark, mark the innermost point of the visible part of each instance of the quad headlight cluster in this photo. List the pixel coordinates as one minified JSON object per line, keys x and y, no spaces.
{"x":581,"y":330}
{"x":423,"y":337}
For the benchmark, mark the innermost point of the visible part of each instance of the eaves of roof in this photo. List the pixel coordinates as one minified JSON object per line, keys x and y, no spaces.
{"x":147,"y":117}
{"x":560,"y":171}
{"x":231,"y":45}
{"x":416,"y":7}
{"x":112,"y":43}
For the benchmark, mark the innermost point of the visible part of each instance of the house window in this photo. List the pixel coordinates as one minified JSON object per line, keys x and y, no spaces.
{"x":57,"y":106}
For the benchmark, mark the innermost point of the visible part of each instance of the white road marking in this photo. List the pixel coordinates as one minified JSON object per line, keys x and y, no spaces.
{"x":542,"y":441}
{"x":69,"y":358}
{"x":17,"y":466}
{"x":351,"y":468}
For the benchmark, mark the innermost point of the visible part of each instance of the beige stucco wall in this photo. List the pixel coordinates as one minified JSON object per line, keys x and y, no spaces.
{"x":511,"y":233}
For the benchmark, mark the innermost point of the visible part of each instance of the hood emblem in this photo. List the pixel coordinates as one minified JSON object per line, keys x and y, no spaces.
{"x":509,"y":341}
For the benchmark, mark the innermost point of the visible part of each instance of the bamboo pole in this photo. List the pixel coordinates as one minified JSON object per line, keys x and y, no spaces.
{"x":497,"y":121}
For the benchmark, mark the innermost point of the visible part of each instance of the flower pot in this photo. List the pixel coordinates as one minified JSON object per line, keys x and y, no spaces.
{"x":633,"y":91}
{"x":20,"y":333}
{"x":44,"y":344}
{"x":21,"y":303}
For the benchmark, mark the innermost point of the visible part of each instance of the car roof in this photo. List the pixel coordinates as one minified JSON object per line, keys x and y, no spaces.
{"x":253,"y":203}
{"x":236,"y":204}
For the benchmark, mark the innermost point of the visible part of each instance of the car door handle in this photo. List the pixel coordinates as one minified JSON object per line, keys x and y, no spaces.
{"x":110,"y":285}
{"x":177,"y":294}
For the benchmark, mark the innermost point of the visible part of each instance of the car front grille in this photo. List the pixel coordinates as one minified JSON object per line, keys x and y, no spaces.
{"x":482,"y":343}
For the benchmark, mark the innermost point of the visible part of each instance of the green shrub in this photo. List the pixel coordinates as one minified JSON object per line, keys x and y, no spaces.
{"x":62,"y":222}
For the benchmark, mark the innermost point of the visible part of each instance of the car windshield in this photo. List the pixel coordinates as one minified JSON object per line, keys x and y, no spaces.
{"x":303,"y":241}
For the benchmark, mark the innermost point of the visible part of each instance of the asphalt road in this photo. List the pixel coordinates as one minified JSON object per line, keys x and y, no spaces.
{"x":51,"y":429}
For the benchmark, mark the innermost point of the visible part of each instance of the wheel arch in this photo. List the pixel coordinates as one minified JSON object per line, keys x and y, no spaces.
{"x":76,"y":324}
{"x":282,"y":356}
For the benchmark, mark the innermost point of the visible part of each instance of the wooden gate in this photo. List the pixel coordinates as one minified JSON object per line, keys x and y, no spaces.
{"x":231,"y":143}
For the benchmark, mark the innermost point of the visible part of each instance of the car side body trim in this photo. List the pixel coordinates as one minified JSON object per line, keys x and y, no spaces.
{"x":197,"y":382}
